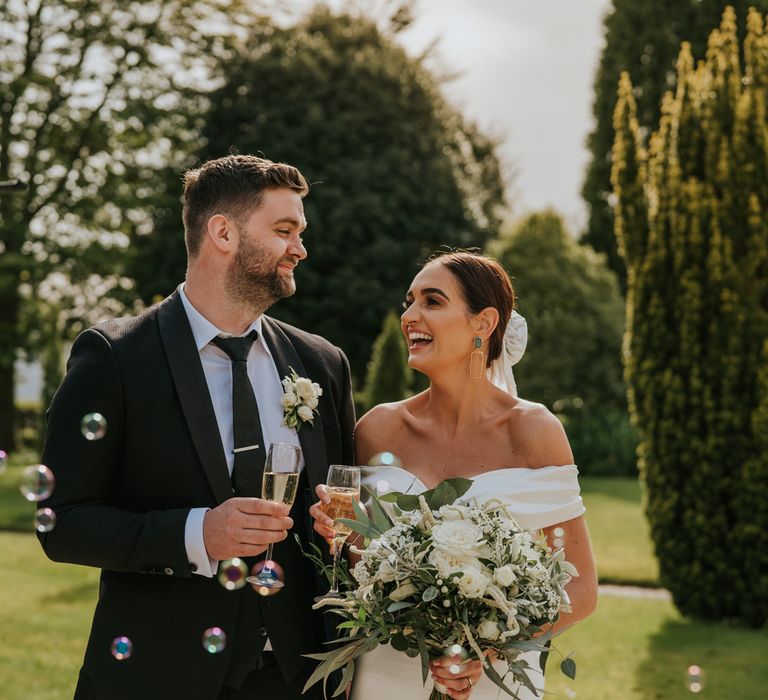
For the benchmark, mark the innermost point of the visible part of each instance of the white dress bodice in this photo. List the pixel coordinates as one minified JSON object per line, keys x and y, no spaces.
{"x":535,"y":498}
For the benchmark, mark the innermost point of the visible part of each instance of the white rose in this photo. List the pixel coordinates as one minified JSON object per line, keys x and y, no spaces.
{"x":473,"y":583}
{"x":289,"y":399}
{"x":312,"y":403}
{"x":457,"y":536}
{"x":504,"y":576}
{"x":316,"y":388}
{"x":444,"y":562}
{"x":488,"y":629}
{"x":405,"y":589}
{"x":304,"y":389}
{"x":305,"y":413}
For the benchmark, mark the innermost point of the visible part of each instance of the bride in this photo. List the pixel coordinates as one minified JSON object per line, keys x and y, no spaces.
{"x":462,"y":333}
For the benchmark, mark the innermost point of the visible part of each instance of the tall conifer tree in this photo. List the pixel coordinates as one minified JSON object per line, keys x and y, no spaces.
{"x":692,"y":227}
{"x":642,"y":38}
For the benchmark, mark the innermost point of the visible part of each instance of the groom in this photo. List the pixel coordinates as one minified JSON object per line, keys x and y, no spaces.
{"x":172,"y":488}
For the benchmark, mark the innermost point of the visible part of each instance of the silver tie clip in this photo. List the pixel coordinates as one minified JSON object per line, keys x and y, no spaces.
{"x":245,"y":449}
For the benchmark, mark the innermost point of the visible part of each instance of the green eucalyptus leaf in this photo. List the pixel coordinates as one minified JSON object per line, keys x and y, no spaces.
{"x":443,"y":494}
{"x":399,"y":605}
{"x":360,"y":513}
{"x":568,"y":667}
{"x":406,"y":502}
{"x":399,"y":642}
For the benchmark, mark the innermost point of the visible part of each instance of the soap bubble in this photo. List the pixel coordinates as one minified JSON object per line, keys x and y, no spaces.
{"x":3,"y":461}
{"x":558,"y":543}
{"x":232,"y":573}
{"x":382,"y":486}
{"x":695,"y":679}
{"x":267,"y":577}
{"x":457,"y":655}
{"x":384,"y":459}
{"x":93,"y":426}
{"x":122,"y":648}
{"x":214,"y":640}
{"x":45,"y":520}
{"x":558,"y":532}
{"x":37,"y":482}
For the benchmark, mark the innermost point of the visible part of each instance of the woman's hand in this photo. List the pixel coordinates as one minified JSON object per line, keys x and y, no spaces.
{"x":457,"y":685}
{"x":323,"y":525}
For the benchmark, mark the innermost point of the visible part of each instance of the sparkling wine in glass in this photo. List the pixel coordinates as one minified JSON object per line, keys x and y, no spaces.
{"x":343,"y":487}
{"x":279,"y":484}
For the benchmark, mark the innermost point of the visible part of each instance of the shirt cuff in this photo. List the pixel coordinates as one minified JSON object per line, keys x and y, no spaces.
{"x":199,"y":561}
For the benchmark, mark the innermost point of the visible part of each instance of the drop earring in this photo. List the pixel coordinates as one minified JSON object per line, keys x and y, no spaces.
{"x":476,"y":360}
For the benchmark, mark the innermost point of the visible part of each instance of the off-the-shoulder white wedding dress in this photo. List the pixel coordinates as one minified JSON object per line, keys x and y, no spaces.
{"x":536,"y":498}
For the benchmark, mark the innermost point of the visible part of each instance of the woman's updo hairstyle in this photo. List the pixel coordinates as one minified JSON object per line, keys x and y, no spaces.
{"x":483,"y":283}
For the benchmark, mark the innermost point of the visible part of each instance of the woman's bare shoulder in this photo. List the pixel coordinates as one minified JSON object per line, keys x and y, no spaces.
{"x":541,"y":433}
{"x":382,"y":424}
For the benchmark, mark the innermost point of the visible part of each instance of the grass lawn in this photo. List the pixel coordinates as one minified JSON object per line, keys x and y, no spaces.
{"x":620,"y":535}
{"x":16,"y":513}
{"x":46,"y":615}
{"x":639,"y":649}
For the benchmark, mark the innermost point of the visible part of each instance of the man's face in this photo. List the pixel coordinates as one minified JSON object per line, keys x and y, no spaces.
{"x":269,"y":249}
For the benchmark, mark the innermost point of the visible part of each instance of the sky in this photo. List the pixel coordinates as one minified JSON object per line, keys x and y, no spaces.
{"x":526,"y":69}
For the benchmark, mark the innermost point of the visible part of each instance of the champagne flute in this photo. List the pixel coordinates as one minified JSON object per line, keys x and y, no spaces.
{"x":343,"y":486}
{"x":279,"y":484}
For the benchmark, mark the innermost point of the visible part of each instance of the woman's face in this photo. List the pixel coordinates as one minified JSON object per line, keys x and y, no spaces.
{"x":436,"y":322}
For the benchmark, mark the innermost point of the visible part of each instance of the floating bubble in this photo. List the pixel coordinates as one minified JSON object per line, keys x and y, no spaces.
{"x":45,"y":520}
{"x":122,"y":648}
{"x":214,"y":640}
{"x":267,"y":577}
{"x":384,"y":459}
{"x":3,"y":461}
{"x":37,"y":482}
{"x":382,"y":486}
{"x":458,"y":655}
{"x":695,"y":679}
{"x":558,"y":532}
{"x":570,"y":693}
{"x":232,"y":573}
{"x":558,"y":543}
{"x":93,"y":426}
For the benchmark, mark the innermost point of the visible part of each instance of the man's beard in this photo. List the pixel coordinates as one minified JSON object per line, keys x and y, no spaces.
{"x":254,"y":280}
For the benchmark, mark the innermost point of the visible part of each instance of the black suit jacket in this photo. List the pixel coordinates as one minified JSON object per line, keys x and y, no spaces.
{"x":122,"y":504}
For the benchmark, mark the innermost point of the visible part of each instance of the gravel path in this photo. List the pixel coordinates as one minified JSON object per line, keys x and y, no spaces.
{"x":635,"y":592}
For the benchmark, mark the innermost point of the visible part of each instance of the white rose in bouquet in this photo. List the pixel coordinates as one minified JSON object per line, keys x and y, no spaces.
{"x":289,"y":399}
{"x":488,"y":629}
{"x":458,"y":537}
{"x":505,"y":575}
{"x":473,"y":582}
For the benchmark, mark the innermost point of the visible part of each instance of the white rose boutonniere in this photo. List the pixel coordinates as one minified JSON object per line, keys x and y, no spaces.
{"x":300,"y":399}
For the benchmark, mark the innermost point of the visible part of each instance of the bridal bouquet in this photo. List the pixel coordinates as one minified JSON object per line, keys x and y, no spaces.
{"x":437,"y":575}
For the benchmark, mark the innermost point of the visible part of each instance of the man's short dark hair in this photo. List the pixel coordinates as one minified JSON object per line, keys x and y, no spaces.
{"x":234,"y":186}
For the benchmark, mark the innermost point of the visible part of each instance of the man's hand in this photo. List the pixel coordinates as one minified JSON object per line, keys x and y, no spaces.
{"x":243,"y":527}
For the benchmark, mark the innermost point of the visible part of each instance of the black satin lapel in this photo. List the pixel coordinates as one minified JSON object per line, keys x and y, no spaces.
{"x":311,"y":437}
{"x":189,"y":378}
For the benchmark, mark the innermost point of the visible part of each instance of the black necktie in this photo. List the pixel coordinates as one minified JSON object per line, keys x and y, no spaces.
{"x":250,"y":453}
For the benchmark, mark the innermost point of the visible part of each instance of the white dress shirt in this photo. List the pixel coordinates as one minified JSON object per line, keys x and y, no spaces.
{"x":268,"y":389}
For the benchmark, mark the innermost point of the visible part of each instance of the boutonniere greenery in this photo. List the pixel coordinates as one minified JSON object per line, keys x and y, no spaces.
{"x":300,"y":399}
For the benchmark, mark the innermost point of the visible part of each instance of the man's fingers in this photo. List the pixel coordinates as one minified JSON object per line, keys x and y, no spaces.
{"x":259,"y":506}
{"x":322,"y":493}
{"x":263,"y":522}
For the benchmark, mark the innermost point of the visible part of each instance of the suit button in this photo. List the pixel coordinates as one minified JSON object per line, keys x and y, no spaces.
{"x":168,"y":571}
{"x":263,"y":631}
{"x":192,"y":567}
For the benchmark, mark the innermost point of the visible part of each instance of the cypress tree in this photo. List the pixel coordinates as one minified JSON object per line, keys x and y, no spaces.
{"x":389,"y":376}
{"x":642,"y":38}
{"x":691,"y":225}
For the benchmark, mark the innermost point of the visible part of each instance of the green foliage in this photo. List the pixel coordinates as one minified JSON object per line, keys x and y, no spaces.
{"x":692,"y":226}
{"x":574,"y":311}
{"x":603,"y":440}
{"x":97,"y":99}
{"x":389,"y":376}
{"x":396,"y":172}
{"x":642,"y":38}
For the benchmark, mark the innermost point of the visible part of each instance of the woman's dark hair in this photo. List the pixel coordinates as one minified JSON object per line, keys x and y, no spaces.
{"x":483,"y":282}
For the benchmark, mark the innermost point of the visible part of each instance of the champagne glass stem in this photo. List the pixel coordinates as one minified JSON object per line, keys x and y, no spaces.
{"x":336,"y":553}
{"x":268,"y":558}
